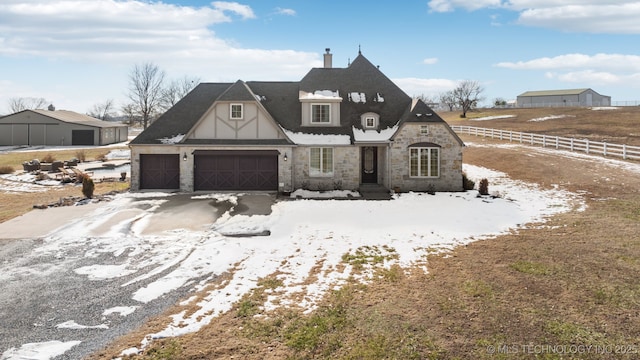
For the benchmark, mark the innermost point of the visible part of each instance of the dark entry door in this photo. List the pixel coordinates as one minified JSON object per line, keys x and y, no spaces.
{"x":159,"y":171}
{"x":236,"y":171}
{"x":82,"y":137}
{"x":369,"y":156}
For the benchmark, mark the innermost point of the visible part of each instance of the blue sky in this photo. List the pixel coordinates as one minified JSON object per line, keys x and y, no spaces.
{"x":77,"y":53}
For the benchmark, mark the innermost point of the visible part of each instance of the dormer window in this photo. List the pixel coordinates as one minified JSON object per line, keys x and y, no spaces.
{"x":236,"y":111}
{"x":320,"y":113}
{"x":370,"y":120}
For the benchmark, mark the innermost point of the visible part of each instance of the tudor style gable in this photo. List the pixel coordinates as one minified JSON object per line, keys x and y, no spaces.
{"x":237,"y":114}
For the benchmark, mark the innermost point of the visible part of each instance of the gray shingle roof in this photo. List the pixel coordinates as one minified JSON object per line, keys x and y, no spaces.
{"x":362,"y":86}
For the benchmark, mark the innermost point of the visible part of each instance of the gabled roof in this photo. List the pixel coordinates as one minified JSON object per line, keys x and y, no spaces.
{"x":180,"y":118}
{"x":362,"y":87}
{"x":72,"y":117}
{"x":554,"y":92}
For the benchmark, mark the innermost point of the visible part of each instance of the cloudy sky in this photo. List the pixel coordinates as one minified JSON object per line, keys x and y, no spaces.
{"x":77,"y":53}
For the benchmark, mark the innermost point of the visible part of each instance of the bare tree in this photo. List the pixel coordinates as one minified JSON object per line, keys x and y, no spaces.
{"x":131,"y":113}
{"x":103,"y":111}
{"x":447,"y":98}
{"x":468,"y":95}
{"x":176,"y":90}
{"x":145,"y":90}
{"x":26,"y":103}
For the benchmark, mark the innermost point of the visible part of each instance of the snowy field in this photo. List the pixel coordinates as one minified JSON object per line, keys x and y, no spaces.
{"x":303,"y":234}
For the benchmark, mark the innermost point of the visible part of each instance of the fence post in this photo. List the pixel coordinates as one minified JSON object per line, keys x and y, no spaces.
{"x":587,"y":145}
{"x":531,"y":137}
{"x":624,"y":151}
{"x":571,"y":144}
{"x":557,"y":142}
{"x":604,"y":149}
{"x":510,"y":136}
{"x":544,"y":141}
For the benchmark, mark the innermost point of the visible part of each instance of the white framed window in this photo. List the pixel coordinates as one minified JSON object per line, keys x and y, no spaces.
{"x":424,"y":130}
{"x":370,"y":122}
{"x":320,"y":113}
{"x":424,"y":162}
{"x":321,"y":161}
{"x":236,"y":111}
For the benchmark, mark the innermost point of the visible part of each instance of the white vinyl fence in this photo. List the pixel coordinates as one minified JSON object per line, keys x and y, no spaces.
{"x":586,"y":146}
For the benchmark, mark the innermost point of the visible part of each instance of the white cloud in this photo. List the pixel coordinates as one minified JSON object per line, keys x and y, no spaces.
{"x":430,"y":61}
{"x":613,"y":16}
{"x":618,"y":62}
{"x":451,"y":5}
{"x":234,"y":7}
{"x":428,"y":87}
{"x":125,"y":32}
{"x":289,"y":12}
{"x":588,"y":70}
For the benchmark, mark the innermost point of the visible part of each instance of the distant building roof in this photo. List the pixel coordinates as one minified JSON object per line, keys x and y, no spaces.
{"x":76,"y":118}
{"x":558,"y":92}
{"x":554,"y":92}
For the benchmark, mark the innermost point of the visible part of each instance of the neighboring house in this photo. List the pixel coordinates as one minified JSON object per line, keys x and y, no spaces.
{"x":58,"y":128}
{"x":337,"y":128}
{"x":558,"y":98}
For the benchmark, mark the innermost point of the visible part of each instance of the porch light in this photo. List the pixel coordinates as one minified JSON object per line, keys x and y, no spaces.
{"x":184,"y":157}
{"x":285,"y":157}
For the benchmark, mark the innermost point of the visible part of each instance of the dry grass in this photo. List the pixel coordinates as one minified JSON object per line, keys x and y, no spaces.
{"x":16,"y":158}
{"x":16,"y":204}
{"x":618,"y":126}
{"x":571,"y":282}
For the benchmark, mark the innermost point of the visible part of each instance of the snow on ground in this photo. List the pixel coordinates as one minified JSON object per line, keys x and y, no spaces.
{"x":604,"y":108}
{"x":493,"y":117}
{"x":39,"y":351}
{"x":304,"y":235}
{"x":550,"y":117}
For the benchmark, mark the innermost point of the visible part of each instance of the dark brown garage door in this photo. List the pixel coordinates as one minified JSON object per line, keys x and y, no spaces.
{"x":159,"y":171}
{"x":236,"y":170}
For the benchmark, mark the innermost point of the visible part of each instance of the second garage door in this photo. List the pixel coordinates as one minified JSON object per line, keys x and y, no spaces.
{"x":236,"y":170}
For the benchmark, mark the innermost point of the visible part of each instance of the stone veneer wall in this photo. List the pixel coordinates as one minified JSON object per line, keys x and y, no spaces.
{"x":186,"y":167}
{"x":346,"y":169}
{"x":450,"y":178}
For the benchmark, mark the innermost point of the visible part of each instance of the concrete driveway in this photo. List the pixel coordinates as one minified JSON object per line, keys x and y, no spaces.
{"x":194,"y":211}
{"x":57,"y":266}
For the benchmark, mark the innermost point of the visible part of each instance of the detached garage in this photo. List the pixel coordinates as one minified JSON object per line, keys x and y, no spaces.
{"x":561,"y":98}
{"x":58,"y":128}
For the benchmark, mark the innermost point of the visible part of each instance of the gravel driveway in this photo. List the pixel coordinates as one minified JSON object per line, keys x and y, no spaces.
{"x":50,"y":294}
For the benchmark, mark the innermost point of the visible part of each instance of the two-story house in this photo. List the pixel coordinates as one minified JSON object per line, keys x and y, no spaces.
{"x":337,"y":128}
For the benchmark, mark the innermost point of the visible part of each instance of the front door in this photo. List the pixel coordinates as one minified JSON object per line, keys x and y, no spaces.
{"x":369,"y":164}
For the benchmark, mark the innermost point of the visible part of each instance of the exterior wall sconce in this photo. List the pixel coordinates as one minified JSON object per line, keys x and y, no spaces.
{"x":285,"y":157}
{"x":184,"y":157}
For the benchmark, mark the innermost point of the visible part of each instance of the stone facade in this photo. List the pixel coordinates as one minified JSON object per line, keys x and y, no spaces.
{"x":450,"y":174}
{"x":346,"y":169}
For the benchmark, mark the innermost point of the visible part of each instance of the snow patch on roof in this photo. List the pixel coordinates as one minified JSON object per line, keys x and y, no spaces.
{"x":172,"y":140}
{"x":358,"y":97}
{"x":317,"y":139}
{"x":378,"y":98}
{"x":320,"y":95}
{"x":374,"y":135}
{"x":261,"y":98}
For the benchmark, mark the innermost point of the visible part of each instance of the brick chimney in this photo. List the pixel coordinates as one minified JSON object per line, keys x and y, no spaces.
{"x":328,"y":59}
